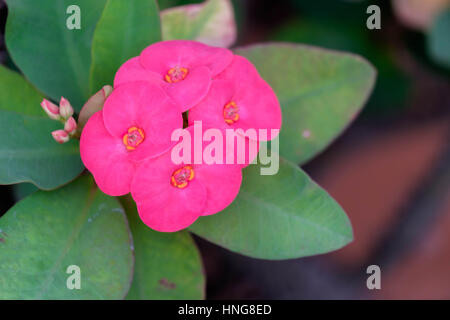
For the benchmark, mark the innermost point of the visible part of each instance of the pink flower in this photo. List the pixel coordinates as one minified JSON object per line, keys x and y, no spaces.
{"x":171,"y":196}
{"x":135,"y":124}
{"x":183,"y":68}
{"x":127,"y":145}
{"x":239,"y":99}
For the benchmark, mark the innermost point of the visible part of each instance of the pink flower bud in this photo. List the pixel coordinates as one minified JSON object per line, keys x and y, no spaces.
{"x":51,"y":109}
{"x":60,"y":136}
{"x":65,"y":109}
{"x":70,"y":126}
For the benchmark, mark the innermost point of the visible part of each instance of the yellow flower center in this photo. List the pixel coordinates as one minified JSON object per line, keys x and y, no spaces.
{"x":231,"y":112}
{"x":176,"y":74}
{"x":134,"y":137}
{"x":181,"y":177}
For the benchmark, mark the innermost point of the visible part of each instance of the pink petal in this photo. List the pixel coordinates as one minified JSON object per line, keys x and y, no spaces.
{"x":146,"y":106}
{"x":166,"y":213}
{"x":236,"y":148}
{"x":258,"y":105}
{"x":210,"y":109}
{"x":259,"y":109}
{"x":132,"y":71}
{"x":221,"y":181}
{"x":222,"y":185}
{"x":210,"y":112}
{"x":162,"y":206}
{"x":104,"y":156}
{"x":238,"y":143}
{"x":190,"y":91}
{"x":162,"y":56}
{"x":241,"y":70}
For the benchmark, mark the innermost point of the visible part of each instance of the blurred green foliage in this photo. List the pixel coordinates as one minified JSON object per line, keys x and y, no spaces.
{"x":342,"y":26}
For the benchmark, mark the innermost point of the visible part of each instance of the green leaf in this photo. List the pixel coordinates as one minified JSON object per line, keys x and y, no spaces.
{"x":44,"y":234}
{"x":439,"y":40}
{"x":124,"y":30}
{"x":53,"y":57}
{"x":320,"y":92}
{"x":23,"y":190}
{"x":211,"y":22}
{"x":168,"y":265}
{"x":281,"y":216}
{"x":334,"y":32}
{"x":28,"y":152}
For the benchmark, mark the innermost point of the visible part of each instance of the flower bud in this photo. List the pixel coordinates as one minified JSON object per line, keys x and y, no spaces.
{"x":107,"y":90}
{"x":51,"y":109}
{"x":94,"y":104}
{"x":70,"y":126}
{"x":65,"y":109}
{"x":60,"y":136}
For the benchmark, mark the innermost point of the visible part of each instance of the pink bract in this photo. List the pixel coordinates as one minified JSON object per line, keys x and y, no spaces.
{"x":132,"y":71}
{"x":165,"y":204}
{"x":239,"y":99}
{"x":135,"y":124}
{"x":236,"y":148}
{"x":183,"y":68}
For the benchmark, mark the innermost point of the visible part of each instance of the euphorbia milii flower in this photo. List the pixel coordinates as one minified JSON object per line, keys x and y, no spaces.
{"x":136,"y":123}
{"x":240,"y":99}
{"x":171,"y":195}
{"x":183,"y":68}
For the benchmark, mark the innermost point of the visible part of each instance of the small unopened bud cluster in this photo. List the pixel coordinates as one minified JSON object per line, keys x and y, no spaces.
{"x":64,"y":114}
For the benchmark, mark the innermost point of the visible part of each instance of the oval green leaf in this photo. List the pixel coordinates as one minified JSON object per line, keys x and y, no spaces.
{"x":124,"y":30}
{"x":28,"y":152}
{"x":44,"y":234}
{"x":168,"y":265}
{"x":55,"y":58}
{"x":281,"y":216}
{"x":211,"y":22}
{"x":320,"y":91}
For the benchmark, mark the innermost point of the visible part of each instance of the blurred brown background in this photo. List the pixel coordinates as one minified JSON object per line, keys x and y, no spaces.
{"x":390,"y":170}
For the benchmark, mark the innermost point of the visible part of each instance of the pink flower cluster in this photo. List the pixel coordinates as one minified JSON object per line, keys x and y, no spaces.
{"x":127,"y":146}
